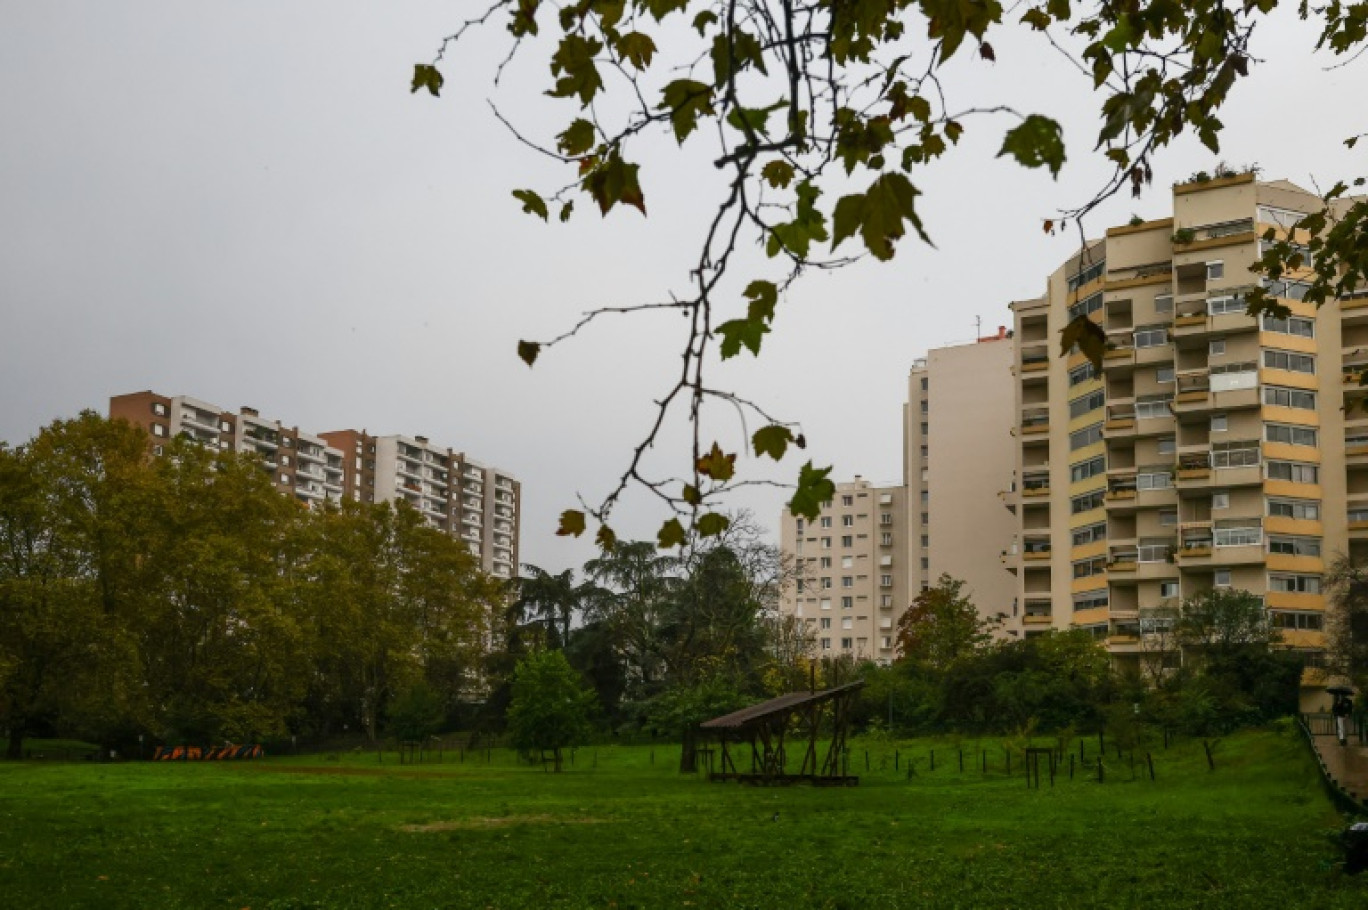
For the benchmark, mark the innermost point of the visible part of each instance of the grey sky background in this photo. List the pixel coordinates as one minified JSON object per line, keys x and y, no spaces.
{"x":242,"y":202}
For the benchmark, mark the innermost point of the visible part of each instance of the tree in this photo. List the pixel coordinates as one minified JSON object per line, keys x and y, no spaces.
{"x":942,"y":626}
{"x":555,"y":600}
{"x":1224,"y":621}
{"x":416,"y":713}
{"x":1347,"y":620}
{"x":823,"y":118}
{"x":550,"y":709}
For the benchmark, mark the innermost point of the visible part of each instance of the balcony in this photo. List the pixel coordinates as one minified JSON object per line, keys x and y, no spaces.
{"x":1035,"y":421}
{"x":1035,"y":485}
{"x":1193,"y":467}
{"x":1120,"y":421}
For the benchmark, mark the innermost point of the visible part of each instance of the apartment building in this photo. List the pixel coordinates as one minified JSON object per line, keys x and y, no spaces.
{"x":1212,"y":449}
{"x":474,"y":502}
{"x":957,"y":447}
{"x":854,"y":582}
{"x":874,"y":548}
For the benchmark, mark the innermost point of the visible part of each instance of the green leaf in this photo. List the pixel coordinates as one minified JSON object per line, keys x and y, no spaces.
{"x":571,"y":523}
{"x":662,"y":8}
{"x":703,"y":20}
{"x":567,"y":210}
{"x":808,"y":224}
{"x":711,"y":524}
{"x":686,"y":100}
{"x":772,"y":440}
{"x":814,"y":488}
{"x":1088,"y":336}
{"x":671,"y":534}
{"x":528,"y":351}
{"x":717,"y":465}
{"x":763,"y":296}
{"x":751,"y":119}
{"x":1036,"y":141}
{"x":636,"y":48}
{"x":613,"y":180}
{"x":741,"y":332}
{"x":953,"y":131}
{"x":778,"y":172}
{"x":691,"y":494}
{"x":425,"y":75}
{"x":878,"y":215}
{"x":578,"y":138}
{"x":573,"y":61}
{"x":606,"y":538}
{"x":532,"y":203}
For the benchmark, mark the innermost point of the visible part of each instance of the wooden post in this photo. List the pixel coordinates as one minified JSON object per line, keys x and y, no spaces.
{"x":1071,"y":766}
{"x":961,"y":760}
{"x":896,"y":758}
{"x":1211,"y":762}
{"x":933,"y":759}
{"x":1149,"y":759}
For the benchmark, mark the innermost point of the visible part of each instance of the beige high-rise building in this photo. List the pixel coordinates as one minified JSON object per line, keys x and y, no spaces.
{"x":1213,"y":450}
{"x":854,"y":582}
{"x":478,"y":504}
{"x":874,"y":548}
{"x":957,"y":448}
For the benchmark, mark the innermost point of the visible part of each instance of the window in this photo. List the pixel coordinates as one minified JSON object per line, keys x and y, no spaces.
{"x":1085,"y":437}
{"x":1089,"y":402}
{"x":1090,"y":600}
{"x":1168,"y":518}
{"x":885,"y":581}
{"x":925,"y":563}
{"x":1294,"y":584}
{"x":847,"y":623}
{"x":1220,"y":499}
{"x":826,"y":644}
{"x":1167,"y":445}
{"x":224,"y":426}
{"x":1152,"y":406}
{"x":1295,"y":471}
{"x":847,"y":501}
{"x":1163,"y":375}
{"x":847,"y":581}
{"x":1082,"y":374}
{"x":798,"y":525}
{"x":1085,"y":568}
{"x":1289,"y":398}
{"x":1221,"y":578}
{"x":924,"y":517}
{"x":1295,"y":546}
{"x":1225,"y":303}
{"x":886,"y":540}
{"x":284,"y":478}
{"x":826,"y":543}
{"x":1086,"y":273}
{"x":1215,"y":270}
{"x":1090,"y":304}
{"x":925,"y":406}
{"x":157,"y":450}
{"x":158,"y":430}
{"x":925,"y":497}
{"x":923,"y":383}
{"x":1089,"y":534}
{"x":925,"y":540}
{"x":826,"y":622}
{"x":1229,"y":376}
{"x":1086,"y":502}
{"x":1294,"y":435}
{"x":159,"y":409}
{"x":847,"y":643}
{"x":847,"y":521}
{"x":1163,"y":303}
{"x":1289,"y":620}
{"x":1219,"y":423}
{"x":826,"y":582}
{"x":826,"y":562}
{"x":847,"y":603}
{"x":925,"y":428}
{"x":825,"y":521}
{"x":1090,"y":468}
{"x":800,"y":586}
{"x":1151,"y":336}
{"x":1168,"y":589}
{"x":1154,"y":480}
{"x":826,"y":603}
{"x":1302,"y":509}
{"x":1292,"y":325}
{"x":1238,"y":532}
{"x":1240,"y":454}
{"x":847,"y":540}
{"x":284,"y":459}
{"x":1216,"y":347}
{"x":1289,"y":360}
{"x":1153,"y":550}
{"x":847,"y":562}
{"x":1290,"y":290}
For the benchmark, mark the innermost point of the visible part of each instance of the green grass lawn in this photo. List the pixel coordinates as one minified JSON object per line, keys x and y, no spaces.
{"x":617,"y":830}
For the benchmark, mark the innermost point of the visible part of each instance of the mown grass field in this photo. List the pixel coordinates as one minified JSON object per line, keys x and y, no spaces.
{"x":617,"y":830}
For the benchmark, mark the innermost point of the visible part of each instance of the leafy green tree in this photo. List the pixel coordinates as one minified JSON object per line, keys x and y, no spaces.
{"x":681,"y":709}
{"x":942,"y":625}
{"x":550,"y":709}
{"x":555,"y":600}
{"x":824,"y":120}
{"x":639,"y":580}
{"x":1347,"y":621}
{"x":1224,"y":621}
{"x":417,"y":713}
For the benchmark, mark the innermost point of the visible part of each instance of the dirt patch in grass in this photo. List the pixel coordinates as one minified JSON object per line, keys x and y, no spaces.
{"x":502,"y":821}
{"x":341,"y":771}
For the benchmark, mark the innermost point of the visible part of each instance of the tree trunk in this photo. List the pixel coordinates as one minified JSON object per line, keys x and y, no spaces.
{"x":688,"y":755}
{"x":16,"y":742}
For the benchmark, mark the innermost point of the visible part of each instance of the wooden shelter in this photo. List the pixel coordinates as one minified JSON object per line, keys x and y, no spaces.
{"x":800,"y":717}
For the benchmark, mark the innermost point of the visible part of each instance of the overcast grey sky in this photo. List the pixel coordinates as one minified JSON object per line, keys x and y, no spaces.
{"x":242,"y":202}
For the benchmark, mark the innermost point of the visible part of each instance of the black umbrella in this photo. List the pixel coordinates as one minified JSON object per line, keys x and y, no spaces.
{"x":1340,"y":690}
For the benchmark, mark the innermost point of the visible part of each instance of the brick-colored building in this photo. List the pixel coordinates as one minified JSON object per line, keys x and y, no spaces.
{"x":478,"y":504}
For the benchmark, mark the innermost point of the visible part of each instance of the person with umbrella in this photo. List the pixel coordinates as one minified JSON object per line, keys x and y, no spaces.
{"x":1342,"y":707}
